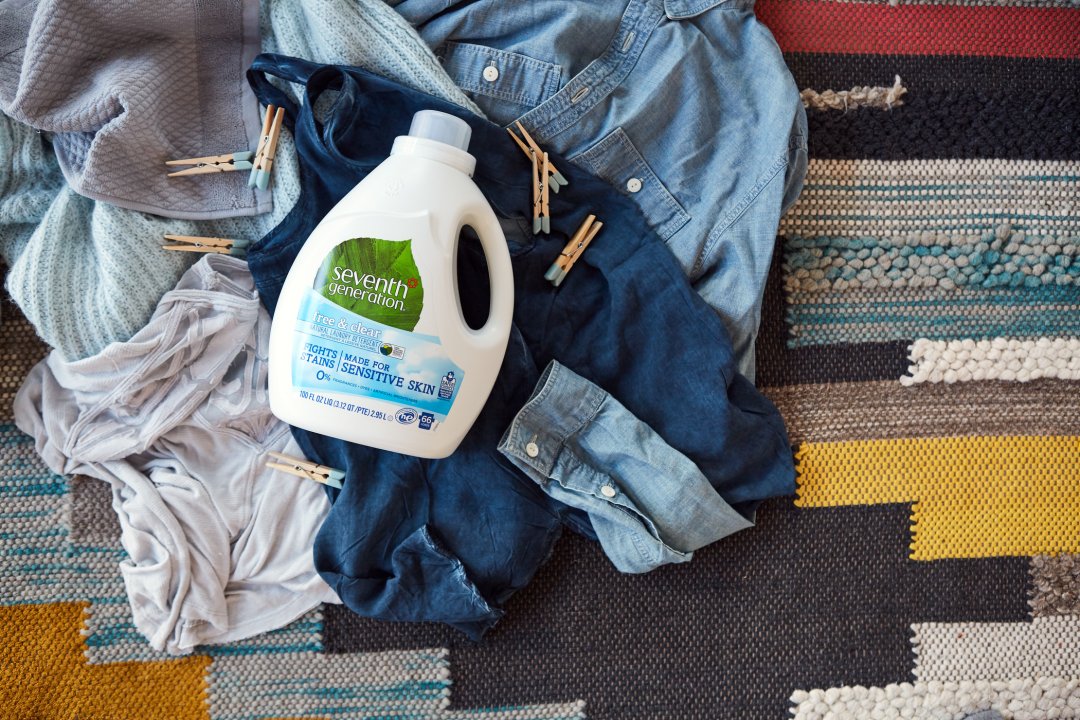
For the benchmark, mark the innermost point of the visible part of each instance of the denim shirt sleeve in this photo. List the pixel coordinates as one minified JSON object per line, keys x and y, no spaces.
{"x":648,"y":503}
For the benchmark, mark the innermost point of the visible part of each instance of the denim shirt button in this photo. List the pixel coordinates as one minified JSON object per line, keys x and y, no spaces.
{"x":491,"y":73}
{"x":633,"y":185}
{"x":532,"y":450}
{"x":607,"y":491}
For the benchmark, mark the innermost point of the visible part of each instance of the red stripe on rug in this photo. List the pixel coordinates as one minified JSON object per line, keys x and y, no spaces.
{"x":864,"y":28}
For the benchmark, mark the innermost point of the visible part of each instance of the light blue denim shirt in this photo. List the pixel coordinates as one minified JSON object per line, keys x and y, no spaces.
{"x":685,"y":106}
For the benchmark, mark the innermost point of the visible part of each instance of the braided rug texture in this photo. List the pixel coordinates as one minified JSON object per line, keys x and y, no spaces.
{"x":920,"y":335}
{"x":947,"y":231}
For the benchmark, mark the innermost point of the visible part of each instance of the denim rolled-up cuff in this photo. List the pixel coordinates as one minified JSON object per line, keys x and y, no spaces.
{"x":648,"y":503}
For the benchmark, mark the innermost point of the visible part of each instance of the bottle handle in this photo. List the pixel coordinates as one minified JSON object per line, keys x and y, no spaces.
{"x":500,"y":273}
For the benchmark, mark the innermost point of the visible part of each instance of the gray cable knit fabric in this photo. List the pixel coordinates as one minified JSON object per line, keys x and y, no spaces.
{"x":124,"y":86}
{"x":88,"y":273}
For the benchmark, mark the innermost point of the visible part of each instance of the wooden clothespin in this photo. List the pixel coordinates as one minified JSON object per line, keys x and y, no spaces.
{"x":306,"y":469}
{"x":268,"y":119}
{"x":536,"y":199}
{"x":540,"y":206}
{"x":555,"y":178}
{"x":228,"y":162}
{"x":573,"y":250}
{"x":545,"y":206}
{"x":264,"y":153}
{"x":221,"y":246}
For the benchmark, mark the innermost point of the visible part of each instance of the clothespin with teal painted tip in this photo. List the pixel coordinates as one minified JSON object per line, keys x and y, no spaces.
{"x":221,"y":246}
{"x":537,"y":194}
{"x":573,"y":250}
{"x":264,"y":153}
{"x":229,"y":162}
{"x":545,"y":205}
{"x":307,"y":469}
{"x":264,"y":136}
{"x":541,"y":208}
{"x":553,"y":177}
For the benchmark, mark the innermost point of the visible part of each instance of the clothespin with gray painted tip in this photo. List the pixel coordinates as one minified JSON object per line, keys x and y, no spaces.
{"x":264,"y":154}
{"x":221,"y":246}
{"x":573,"y":250}
{"x":229,"y":162}
{"x":593,"y":231}
{"x":558,"y":176}
{"x":307,"y":469}
{"x":555,"y":178}
{"x":268,"y":120}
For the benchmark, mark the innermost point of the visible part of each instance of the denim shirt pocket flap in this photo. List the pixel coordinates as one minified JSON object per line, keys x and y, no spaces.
{"x":512,"y":76}
{"x":616,"y":160}
{"x":686,"y":9}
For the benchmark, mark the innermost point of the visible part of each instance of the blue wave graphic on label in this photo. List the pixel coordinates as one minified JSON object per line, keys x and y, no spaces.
{"x":337,"y":350}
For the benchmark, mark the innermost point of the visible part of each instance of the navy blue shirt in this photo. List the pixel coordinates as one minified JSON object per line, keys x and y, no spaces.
{"x":450,"y":540}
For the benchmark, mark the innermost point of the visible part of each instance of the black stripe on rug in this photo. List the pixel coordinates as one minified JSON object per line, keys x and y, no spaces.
{"x":777,"y":364}
{"x":1017,"y":78}
{"x":807,"y":599}
{"x":944,"y":124}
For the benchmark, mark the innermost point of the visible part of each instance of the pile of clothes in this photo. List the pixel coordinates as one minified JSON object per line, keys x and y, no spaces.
{"x":625,"y":407}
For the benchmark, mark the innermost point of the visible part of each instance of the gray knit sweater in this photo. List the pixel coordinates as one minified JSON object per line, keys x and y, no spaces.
{"x":88,"y":273}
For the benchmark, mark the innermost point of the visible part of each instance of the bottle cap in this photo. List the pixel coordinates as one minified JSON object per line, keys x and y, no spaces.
{"x":440,"y":126}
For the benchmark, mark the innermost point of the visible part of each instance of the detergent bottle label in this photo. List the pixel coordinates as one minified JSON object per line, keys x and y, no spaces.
{"x":354,"y":337}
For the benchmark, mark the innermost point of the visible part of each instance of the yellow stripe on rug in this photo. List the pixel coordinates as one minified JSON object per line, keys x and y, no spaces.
{"x":973,"y":496}
{"x":44,"y":673}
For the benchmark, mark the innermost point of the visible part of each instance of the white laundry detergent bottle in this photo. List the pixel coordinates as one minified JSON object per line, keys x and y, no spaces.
{"x":368,"y":342}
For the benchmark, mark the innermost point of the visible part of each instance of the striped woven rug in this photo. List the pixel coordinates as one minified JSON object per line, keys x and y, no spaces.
{"x":921,"y":335}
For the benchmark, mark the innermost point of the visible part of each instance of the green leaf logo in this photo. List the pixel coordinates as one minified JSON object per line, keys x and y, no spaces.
{"x":375,"y":278}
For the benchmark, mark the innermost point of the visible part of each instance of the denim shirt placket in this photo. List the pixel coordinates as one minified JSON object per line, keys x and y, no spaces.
{"x":601,"y":77}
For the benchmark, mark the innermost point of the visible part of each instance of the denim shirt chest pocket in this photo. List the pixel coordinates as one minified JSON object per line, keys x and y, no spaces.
{"x":616,"y":160}
{"x":503,"y":84}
